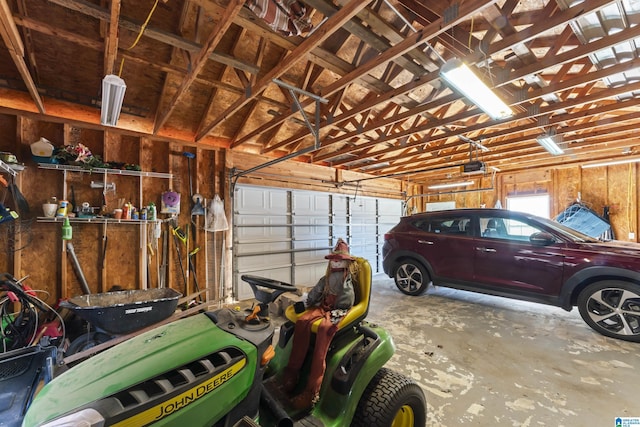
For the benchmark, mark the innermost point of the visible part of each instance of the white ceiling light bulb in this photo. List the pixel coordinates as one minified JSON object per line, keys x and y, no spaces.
{"x":113,"y":89}
{"x":459,"y":75}
{"x":549,"y":143}
{"x":450,"y":185}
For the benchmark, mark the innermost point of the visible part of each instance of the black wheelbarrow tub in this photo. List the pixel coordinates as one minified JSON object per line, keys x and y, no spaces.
{"x":122,"y":312}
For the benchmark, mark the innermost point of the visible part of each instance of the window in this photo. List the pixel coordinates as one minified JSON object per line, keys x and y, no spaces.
{"x":506,"y":228}
{"x":444,"y":225}
{"x":538,"y":204}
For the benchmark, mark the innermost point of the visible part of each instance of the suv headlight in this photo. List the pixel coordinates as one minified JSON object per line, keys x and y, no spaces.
{"x":85,"y":418}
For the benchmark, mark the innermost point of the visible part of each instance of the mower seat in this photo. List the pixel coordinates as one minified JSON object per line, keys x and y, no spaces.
{"x":361,"y":306}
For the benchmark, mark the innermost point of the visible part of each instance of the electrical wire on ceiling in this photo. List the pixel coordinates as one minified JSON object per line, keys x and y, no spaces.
{"x":139,"y":36}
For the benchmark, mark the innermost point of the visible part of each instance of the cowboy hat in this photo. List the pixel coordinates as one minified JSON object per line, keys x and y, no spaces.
{"x":341,"y":251}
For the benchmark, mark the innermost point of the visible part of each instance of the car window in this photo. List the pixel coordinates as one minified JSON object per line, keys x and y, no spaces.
{"x":506,"y":228}
{"x":574,"y":235}
{"x":444,"y":225}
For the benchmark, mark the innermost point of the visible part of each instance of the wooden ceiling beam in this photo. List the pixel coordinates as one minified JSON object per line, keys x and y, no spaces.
{"x":89,"y":9}
{"x":510,"y":42}
{"x":85,"y":42}
{"x":465,"y":11}
{"x":13,"y":42}
{"x":319,"y":35}
{"x":30,"y":53}
{"x":371,"y":38}
{"x":393,"y":35}
{"x":424,"y":80}
{"x":259,"y":58}
{"x":445,"y":140}
{"x":573,"y":55}
{"x":201,"y":59}
{"x":532,"y":95}
{"x":111,"y":42}
{"x":188,"y":28}
{"x":604,"y":94}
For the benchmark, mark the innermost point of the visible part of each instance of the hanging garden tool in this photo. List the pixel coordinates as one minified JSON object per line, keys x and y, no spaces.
{"x":198,"y":207}
{"x":180,"y":236}
{"x":6,"y":213}
{"x":20,"y":203}
{"x":190,"y":156}
{"x":192,"y":268}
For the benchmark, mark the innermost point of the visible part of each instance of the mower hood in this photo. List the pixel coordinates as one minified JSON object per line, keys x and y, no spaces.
{"x":152,"y":377}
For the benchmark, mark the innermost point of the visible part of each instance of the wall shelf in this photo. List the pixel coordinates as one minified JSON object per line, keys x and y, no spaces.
{"x":95,"y":220}
{"x":11,"y":168}
{"x":126,"y":172}
{"x":106,"y":221}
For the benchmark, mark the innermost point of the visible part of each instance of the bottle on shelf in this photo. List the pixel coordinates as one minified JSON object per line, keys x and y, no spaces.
{"x":67,"y":231}
{"x":151,"y":212}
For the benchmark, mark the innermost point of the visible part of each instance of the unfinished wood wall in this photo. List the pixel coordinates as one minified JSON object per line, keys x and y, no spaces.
{"x":44,"y":258}
{"x":40,"y":252}
{"x":613,"y":186}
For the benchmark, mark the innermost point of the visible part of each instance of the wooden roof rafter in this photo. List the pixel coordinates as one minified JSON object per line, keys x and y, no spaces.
{"x":30,"y":52}
{"x":11,"y":37}
{"x":200,"y":60}
{"x":507,"y":130}
{"x":111,"y":40}
{"x":336,"y":21}
{"x":531,"y":95}
{"x":519,"y":139}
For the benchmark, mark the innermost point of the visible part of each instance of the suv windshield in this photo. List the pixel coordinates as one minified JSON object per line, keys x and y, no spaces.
{"x":569,"y":232}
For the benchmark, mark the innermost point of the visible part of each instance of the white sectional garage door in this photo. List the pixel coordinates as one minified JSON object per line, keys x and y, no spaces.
{"x":285,"y":234}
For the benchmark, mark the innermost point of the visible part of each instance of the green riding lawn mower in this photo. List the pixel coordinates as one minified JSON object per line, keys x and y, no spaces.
{"x":224,"y":368}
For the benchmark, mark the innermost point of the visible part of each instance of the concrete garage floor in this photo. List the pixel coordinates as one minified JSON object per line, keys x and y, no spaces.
{"x":490,"y":361}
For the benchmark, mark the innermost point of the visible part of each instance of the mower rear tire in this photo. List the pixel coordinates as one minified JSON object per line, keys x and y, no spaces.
{"x":391,"y":400}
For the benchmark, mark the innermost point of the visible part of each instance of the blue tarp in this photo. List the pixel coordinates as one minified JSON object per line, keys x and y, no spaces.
{"x":581,"y":218}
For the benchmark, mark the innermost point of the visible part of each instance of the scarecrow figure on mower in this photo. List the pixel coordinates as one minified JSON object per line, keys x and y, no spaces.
{"x":328,"y":301}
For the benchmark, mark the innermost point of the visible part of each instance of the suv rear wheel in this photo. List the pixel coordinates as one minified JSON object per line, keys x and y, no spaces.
{"x":411,"y":277}
{"x":612,"y":308}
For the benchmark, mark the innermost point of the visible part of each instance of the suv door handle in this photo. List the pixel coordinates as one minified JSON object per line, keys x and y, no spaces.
{"x":485,"y":249}
{"x":428,"y":242}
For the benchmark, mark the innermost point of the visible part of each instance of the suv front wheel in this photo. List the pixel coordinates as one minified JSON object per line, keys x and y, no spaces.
{"x":411,"y":277}
{"x":612,"y":308}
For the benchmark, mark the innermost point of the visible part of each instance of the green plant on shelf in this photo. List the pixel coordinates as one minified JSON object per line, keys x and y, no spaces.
{"x":80,"y":155}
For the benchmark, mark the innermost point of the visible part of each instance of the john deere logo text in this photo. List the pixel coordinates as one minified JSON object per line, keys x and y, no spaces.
{"x":178,"y":402}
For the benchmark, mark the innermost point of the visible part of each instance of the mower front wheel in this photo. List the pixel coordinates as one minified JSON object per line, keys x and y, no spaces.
{"x":391,"y":400}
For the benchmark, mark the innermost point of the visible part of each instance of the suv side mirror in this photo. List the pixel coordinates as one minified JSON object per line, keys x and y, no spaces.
{"x":541,"y":238}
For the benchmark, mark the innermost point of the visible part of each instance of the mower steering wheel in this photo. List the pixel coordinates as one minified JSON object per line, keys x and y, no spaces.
{"x":277,"y":287}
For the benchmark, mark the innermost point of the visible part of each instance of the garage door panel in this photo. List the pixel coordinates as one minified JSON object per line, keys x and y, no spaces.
{"x":308,"y":203}
{"x":339,"y":205}
{"x":285,"y":234}
{"x":267,"y":234}
{"x":262,"y":247}
{"x":390,"y":208}
{"x":261,"y":201}
{"x":309,"y":275}
{"x":310,"y":250}
{"x":310,"y":227}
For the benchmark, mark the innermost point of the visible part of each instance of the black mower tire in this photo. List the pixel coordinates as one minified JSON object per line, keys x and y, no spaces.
{"x":388,"y":398}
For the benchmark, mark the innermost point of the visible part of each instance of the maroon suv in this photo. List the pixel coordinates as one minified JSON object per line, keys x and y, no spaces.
{"x":522,"y":256}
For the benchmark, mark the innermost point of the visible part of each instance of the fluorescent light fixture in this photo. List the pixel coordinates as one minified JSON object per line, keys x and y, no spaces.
{"x":610,"y":163}
{"x":113,"y":88}
{"x":459,"y":75}
{"x":549,"y":144}
{"x":450,"y":185}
